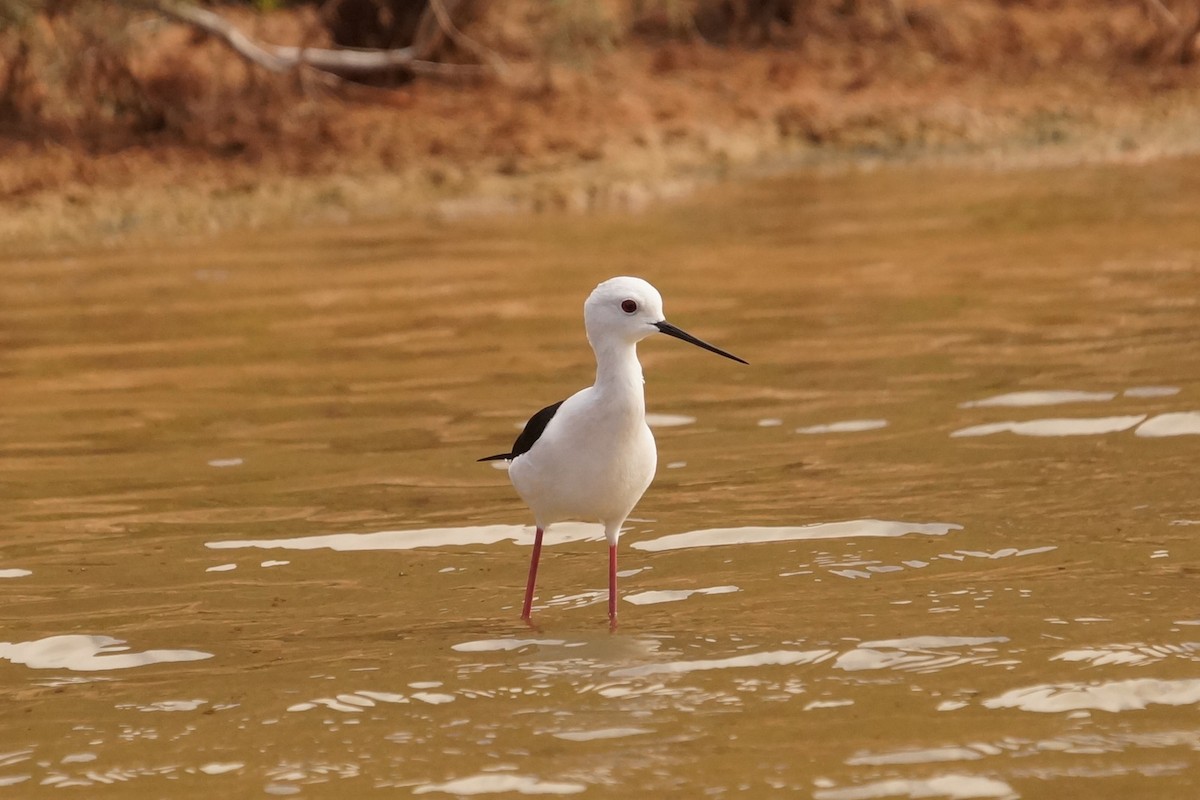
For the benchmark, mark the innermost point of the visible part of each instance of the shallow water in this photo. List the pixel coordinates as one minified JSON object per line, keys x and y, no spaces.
{"x":939,"y":540}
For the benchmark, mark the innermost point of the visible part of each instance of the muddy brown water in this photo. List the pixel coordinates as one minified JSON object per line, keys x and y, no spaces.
{"x":939,"y":540}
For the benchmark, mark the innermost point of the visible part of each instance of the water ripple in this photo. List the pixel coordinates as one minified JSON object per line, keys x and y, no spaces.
{"x":852,"y":529}
{"x":1127,"y":695}
{"x":768,"y":659}
{"x":953,"y":787}
{"x":428,"y":537}
{"x":1183,"y":423}
{"x":84,"y":653}
{"x":1039,"y":398}
{"x":500,"y":783}
{"x":846,"y":426}
{"x":922,"y":653}
{"x":1066,"y":426}
{"x":674,"y":595}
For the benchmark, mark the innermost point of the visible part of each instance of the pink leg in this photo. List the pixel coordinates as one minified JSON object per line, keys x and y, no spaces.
{"x":612,"y":587}
{"x":533,"y":564}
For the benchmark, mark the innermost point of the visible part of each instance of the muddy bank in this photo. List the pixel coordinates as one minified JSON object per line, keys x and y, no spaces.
{"x":642,"y":116}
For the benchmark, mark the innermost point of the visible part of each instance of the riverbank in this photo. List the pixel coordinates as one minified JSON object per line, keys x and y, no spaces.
{"x":637,"y":121}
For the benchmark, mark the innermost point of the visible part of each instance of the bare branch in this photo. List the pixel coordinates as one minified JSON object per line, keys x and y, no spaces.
{"x":1187,"y":47}
{"x":484,"y":54}
{"x":341,"y":62}
{"x":899,"y":17}
{"x":1181,"y":40}
{"x":1164,"y":14}
{"x":221,"y":28}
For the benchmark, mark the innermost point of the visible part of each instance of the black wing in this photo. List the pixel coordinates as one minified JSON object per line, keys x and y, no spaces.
{"x":533,"y":431}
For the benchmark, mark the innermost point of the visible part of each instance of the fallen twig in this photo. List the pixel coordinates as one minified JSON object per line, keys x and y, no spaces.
{"x":445,"y":21}
{"x":341,"y":63}
{"x":1159,"y":8}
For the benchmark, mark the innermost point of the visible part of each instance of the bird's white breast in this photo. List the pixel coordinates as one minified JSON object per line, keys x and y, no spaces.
{"x":593,"y":462}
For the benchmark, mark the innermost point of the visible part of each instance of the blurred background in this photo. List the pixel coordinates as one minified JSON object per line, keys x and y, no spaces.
{"x":106,"y":106}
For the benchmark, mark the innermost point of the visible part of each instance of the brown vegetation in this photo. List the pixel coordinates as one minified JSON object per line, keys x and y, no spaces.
{"x":111,"y":94}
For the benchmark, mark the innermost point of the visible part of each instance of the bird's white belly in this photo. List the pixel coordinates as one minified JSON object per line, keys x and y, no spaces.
{"x":591,"y":478}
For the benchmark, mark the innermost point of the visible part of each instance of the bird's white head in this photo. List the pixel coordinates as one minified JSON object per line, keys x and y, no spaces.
{"x":624,"y":310}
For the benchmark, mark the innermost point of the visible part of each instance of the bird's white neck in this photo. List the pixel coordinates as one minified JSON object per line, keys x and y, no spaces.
{"x":619,"y":374}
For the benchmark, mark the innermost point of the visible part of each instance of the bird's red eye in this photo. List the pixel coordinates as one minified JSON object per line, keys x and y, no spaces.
{"x":628,"y":306}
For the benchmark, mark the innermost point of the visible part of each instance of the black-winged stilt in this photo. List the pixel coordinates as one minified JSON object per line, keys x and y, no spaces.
{"x":592,"y":456}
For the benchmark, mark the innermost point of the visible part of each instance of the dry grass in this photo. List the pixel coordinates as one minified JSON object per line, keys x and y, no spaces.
{"x":99,"y":99}
{"x":103,"y":75}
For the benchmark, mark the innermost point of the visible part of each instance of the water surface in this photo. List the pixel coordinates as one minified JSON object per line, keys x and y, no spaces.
{"x":939,"y":540}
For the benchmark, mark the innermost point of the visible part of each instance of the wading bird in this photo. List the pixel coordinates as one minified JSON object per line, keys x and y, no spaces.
{"x":592,"y":456}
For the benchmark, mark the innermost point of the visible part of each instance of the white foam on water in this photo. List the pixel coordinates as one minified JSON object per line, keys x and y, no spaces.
{"x":952,"y":787}
{"x":503,"y":645}
{"x":1127,"y":695}
{"x":859,"y":528}
{"x":1129,"y":654}
{"x":934,"y":642}
{"x":78,"y":758}
{"x":221,"y":767}
{"x":1040,"y":398}
{"x":433,"y":698}
{"x":674,"y":595}
{"x":931,"y":755}
{"x":1066,"y":426}
{"x":1151,"y":391}
{"x":84,"y":653}
{"x":1182,"y":423}
{"x":919,"y":653}
{"x":601,"y":733}
{"x":500,"y":783}
{"x":764,"y":659}
{"x":819,"y":704}
{"x":166,"y":705}
{"x":845,"y":426}
{"x":560,"y":533}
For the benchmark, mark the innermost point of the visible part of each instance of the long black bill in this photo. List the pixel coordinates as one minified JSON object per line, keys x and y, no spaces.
{"x":671,"y":330}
